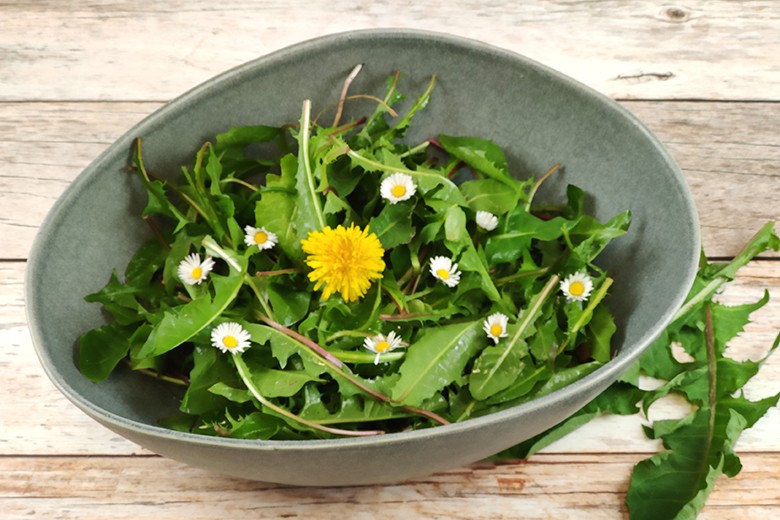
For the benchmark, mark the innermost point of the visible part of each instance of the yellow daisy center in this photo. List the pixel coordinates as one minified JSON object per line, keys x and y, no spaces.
{"x":399,"y":190}
{"x":382,"y":346}
{"x":443,"y":274}
{"x":496,"y":330}
{"x":230,"y":342}
{"x":260,"y":237}
{"x":197,"y":272}
{"x":344,"y":260}
{"x":576,"y":288}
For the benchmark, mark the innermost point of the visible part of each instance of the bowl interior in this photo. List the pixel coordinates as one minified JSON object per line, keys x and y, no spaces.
{"x":536,"y":115}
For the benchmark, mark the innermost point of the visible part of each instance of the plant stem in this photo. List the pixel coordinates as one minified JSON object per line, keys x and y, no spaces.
{"x":211,"y":245}
{"x":599,"y":295}
{"x":524,"y":321}
{"x":338,"y":366}
{"x":760,"y":242}
{"x":304,"y":135}
{"x":260,"y":296}
{"x":243,"y":371}
{"x":345,"y":334}
{"x":327,"y":356}
{"x":357,"y":356}
{"x":382,"y":102}
{"x":403,"y":317}
{"x":521,"y":274}
{"x":539,"y":183}
{"x":712,"y":372}
{"x":415,"y":149}
{"x":277,"y":272}
{"x":156,"y":230}
{"x":157,"y":375}
{"x":241,"y":182}
{"x":344,"y":89}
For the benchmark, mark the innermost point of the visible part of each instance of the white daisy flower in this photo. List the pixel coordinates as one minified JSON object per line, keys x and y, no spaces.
{"x":192,"y":271}
{"x":260,"y":237}
{"x":230,"y":337}
{"x":397,"y":187}
{"x":577,"y":286}
{"x":487,"y":220}
{"x":443,"y":269}
{"x":381,"y":344}
{"x":495,"y":326}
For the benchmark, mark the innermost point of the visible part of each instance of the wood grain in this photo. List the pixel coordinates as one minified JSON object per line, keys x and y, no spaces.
{"x":728,"y":152}
{"x":75,"y":75}
{"x":580,"y":487}
{"x":121,"y":50}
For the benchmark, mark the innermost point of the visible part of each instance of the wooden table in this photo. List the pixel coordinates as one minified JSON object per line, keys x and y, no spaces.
{"x":703,"y":74}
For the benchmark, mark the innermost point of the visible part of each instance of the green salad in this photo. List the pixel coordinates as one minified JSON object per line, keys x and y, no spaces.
{"x":338,"y":280}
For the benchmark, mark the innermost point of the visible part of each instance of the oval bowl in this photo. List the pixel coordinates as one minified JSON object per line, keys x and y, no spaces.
{"x":535,"y":114}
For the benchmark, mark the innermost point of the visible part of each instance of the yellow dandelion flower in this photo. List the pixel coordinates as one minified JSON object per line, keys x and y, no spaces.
{"x":344,"y":260}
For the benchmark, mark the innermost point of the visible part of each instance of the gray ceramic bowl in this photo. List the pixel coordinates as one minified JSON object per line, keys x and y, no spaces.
{"x":537,"y":115}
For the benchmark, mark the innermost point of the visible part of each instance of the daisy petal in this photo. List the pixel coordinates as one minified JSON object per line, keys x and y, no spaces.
{"x":577,"y":286}
{"x":443,"y":269}
{"x":397,"y":187}
{"x":230,"y":337}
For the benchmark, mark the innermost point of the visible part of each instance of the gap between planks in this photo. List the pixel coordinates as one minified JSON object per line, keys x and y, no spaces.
{"x":727,"y":152}
{"x":571,"y":486}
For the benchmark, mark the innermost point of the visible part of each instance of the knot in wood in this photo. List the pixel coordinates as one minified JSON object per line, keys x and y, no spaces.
{"x":676,"y":14}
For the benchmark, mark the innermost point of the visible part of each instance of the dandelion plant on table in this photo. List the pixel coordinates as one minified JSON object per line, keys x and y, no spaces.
{"x":353,"y":282}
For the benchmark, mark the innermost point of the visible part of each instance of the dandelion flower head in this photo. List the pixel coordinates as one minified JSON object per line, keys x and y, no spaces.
{"x":344,"y":260}
{"x":495,"y":326}
{"x":443,"y":269}
{"x":381,"y":344}
{"x":577,"y":286}
{"x":260,"y":237}
{"x":230,"y":337}
{"x":192,"y":271}
{"x":397,"y":187}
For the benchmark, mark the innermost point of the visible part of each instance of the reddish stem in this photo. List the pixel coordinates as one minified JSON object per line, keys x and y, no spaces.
{"x":303,"y":339}
{"x":328,"y":357}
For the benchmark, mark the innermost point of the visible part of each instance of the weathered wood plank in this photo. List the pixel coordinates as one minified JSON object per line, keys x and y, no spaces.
{"x":627,"y":49}
{"x":728,"y":152}
{"x":547,"y":486}
{"x":35,"y":419}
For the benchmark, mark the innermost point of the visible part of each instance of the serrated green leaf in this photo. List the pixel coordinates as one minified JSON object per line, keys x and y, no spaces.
{"x":471,"y":261}
{"x":496,"y":368}
{"x":393,"y":226}
{"x":598,"y":239}
{"x":455,"y":225}
{"x":289,"y":306}
{"x":210,"y":367}
{"x":236,"y":395}
{"x":731,"y":320}
{"x":277,"y":206}
{"x":101,"y":350}
{"x":436,"y":360}
{"x":182,"y":323}
{"x":489,"y":195}
{"x":516,"y":231}
{"x":600,"y":331}
{"x":482,"y":155}
{"x":308,"y":216}
{"x":353,"y":409}
{"x":278,"y":383}
{"x":243,"y":136}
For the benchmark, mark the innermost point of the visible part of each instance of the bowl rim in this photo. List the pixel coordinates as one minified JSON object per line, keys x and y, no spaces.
{"x":609,"y":371}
